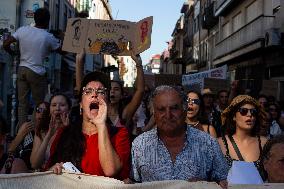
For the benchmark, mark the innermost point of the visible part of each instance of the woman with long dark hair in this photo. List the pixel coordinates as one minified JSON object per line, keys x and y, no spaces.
{"x":91,"y":143}
{"x":242,"y":120}
{"x":194,"y":116}
{"x":53,"y":118}
{"x":120,"y":109}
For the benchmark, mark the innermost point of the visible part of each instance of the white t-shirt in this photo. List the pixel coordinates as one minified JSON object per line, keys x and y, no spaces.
{"x":35,"y":44}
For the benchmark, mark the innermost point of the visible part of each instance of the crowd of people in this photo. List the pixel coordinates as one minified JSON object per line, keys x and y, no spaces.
{"x":164,"y":133}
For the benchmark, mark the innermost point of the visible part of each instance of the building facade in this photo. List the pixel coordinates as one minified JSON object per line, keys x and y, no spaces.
{"x":245,"y":35}
{"x":249,"y":41}
{"x":61,"y":69}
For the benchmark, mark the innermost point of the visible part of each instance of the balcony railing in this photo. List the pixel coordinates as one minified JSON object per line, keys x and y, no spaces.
{"x":219,"y":3}
{"x":251,"y":32}
{"x":209,"y":20}
{"x":222,"y":5}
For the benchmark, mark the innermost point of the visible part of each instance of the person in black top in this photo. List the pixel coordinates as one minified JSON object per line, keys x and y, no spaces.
{"x":241,"y":121}
{"x":8,"y":164}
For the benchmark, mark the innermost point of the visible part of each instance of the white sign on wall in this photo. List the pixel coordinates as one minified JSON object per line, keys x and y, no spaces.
{"x":198,"y":78}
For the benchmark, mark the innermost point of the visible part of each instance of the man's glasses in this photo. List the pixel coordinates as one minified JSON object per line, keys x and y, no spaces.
{"x":99,"y":91}
{"x":39,"y":110}
{"x":244,"y":111}
{"x":193,"y":101}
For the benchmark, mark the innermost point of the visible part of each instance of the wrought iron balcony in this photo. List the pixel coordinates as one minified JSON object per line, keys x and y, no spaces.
{"x":209,"y":20}
{"x":176,"y":55}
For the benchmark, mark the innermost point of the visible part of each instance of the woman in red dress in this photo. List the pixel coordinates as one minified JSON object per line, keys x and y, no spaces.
{"x":91,"y":144}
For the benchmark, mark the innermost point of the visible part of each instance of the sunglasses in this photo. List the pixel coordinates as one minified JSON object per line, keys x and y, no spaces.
{"x":99,"y":91}
{"x":244,"y":111}
{"x":193,"y":101}
{"x":39,"y":110}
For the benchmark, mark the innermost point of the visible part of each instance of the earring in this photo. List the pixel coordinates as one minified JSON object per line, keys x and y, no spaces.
{"x":81,"y":110}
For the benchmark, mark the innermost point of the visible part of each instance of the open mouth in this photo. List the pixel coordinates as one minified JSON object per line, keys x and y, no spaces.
{"x":112,"y":96}
{"x":189,"y":109}
{"x":57,"y":116}
{"x":94,"y":106}
{"x":249,"y":122}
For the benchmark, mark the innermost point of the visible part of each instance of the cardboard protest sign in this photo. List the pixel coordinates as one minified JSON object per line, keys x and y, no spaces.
{"x":75,"y":35}
{"x":116,"y":37}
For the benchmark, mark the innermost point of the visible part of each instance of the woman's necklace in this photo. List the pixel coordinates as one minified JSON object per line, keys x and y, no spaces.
{"x":194,"y":125}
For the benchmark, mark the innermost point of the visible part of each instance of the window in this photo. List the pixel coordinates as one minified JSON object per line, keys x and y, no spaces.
{"x":252,"y":11}
{"x":196,"y":24}
{"x":226,"y":30}
{"x":65,"y":16}
{"x":57,"y":16}
{"x":46,"y":3}
{"x":237,"y":22}
{"x":94,"y":7}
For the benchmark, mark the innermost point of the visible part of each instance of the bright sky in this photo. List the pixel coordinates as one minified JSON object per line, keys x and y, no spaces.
{"x":165,"y":13}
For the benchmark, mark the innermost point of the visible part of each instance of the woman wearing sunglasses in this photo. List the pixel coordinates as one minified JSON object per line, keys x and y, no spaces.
{"x":51,"y":120}
{"x":92,"y":144}
{"x":194,"y":116}
{"x":241,"y":121}
{"x":23,"y":143}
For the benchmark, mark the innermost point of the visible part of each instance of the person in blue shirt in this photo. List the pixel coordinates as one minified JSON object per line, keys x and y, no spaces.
{"x":174,"y":151}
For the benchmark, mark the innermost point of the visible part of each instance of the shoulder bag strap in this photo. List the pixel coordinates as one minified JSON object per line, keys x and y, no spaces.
{"x":236,"y":148}
{"x":259,"y":145}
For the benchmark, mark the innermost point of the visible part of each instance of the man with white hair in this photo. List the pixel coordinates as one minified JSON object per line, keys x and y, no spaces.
{"x":173,"y":150}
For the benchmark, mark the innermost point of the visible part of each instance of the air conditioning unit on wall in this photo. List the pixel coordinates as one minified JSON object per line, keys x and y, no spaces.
{"x":272,"y":37}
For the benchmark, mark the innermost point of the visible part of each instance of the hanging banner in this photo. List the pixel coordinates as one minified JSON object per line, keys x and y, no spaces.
{"x":67,"y":180}
{"x":197,"y":79}
{"x":115,"y":37}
